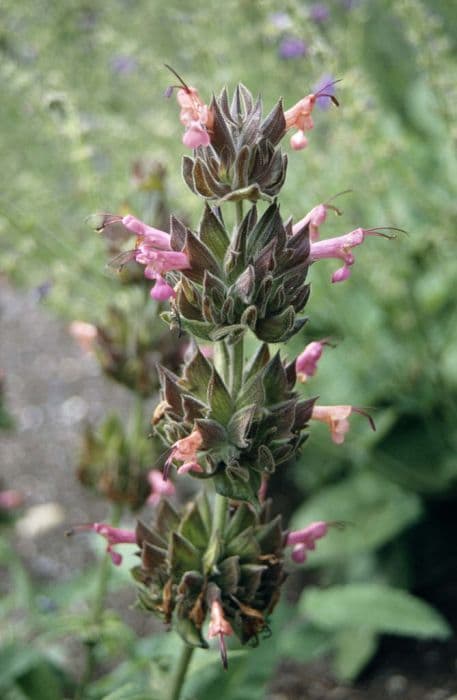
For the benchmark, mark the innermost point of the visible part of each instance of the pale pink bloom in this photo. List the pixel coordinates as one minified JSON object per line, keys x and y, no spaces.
{"x":195,"y":116}
{"x":299,"y":117}
{"x":219,"y":627}
{"x":306,"y":362}
{"x":113,"y":536}
{"x":185,"y":450}
{"x":10,"y":500}
{"x":84,"y":333}
{"x":196,"y":135}
{"x":304,"y":540}
{"x":159,"y":261}
{"x":159,"y":487}
{"x":155,"y":237}
{"x":154,"y":250}
{"x":337,"y":419}
{"x":340,"y":248}
{"x":162,"y":291}
{"x":298,"y":141}
{"x":314,"y":218}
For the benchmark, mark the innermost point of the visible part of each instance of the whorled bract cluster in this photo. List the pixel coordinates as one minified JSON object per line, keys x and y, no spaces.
{"x":253,"y":279}
{"x":244,"y":437}
{"x":242,"y":160}
{"x":186,"y":565}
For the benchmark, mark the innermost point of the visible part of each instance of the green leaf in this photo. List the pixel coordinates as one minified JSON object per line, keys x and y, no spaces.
{"x":240,"y":424}
{"x":131,"y":691}
{"x":277,"y":328}
{"x":238,"y":488}
{"x":375,"y":607}
{"x":183,"y":556}
{"x":15,"y":661}
{"x":374,"y":509}
{"x":197,"y":375}
{"x":219,"y":399}
{"x":200,"y":329}
{"x":213,"y":234}
{"x":354,"y":648}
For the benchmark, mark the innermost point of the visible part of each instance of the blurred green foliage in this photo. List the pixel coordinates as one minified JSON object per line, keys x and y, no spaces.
{"x":82,"y":99}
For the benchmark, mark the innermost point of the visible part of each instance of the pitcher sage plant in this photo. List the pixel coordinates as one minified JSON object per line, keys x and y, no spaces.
{"x":236,"y":285}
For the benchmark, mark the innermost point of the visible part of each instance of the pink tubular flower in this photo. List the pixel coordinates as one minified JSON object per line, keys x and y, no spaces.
{"x":219,"y":626}
{"x":158,"y":239}
{"x":159,"y":487}
{"x":113,"y":536}
{"x":304,"y":540}
{"x":185,"y":450}
{"x":340,"y":247}
{"x":306,"y":362}
{"x":154,"y":250}
{"x":336,"y":417}
{"x":195,"y":116}
{"x":314,"y":218}
{"x":299,"y":116}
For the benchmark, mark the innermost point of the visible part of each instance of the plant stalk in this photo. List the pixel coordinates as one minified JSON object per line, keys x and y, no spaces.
{"x":180,"y":672}
{"x":97,"y":608}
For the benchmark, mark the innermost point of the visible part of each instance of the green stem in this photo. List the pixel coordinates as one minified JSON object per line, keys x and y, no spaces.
{"x":98,"y":604}
{"x":239,"y":212}
{"x":220,"y":515}
{"x":180,"y":672}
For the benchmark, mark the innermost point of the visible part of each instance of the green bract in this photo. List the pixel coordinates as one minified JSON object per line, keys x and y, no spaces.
{"x":244,"y":436}
{"x":182,"y":557}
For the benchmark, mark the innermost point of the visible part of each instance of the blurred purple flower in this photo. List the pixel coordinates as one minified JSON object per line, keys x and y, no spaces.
{"x":291,"y":47}
{"x":324,"y":83}
{"x":123,"y":64}
{"x":319,"y":12}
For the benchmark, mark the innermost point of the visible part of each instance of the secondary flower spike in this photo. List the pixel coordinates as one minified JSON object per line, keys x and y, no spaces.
{"x":113,"y":536}
{"x":340,"y":247}
{"x":336,"y":417}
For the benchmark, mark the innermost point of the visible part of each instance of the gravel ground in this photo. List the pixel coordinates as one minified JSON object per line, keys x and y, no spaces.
{"x":52,"y":389}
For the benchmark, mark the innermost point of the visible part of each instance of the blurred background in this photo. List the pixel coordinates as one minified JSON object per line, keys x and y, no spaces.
{"x":82,"y":117}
